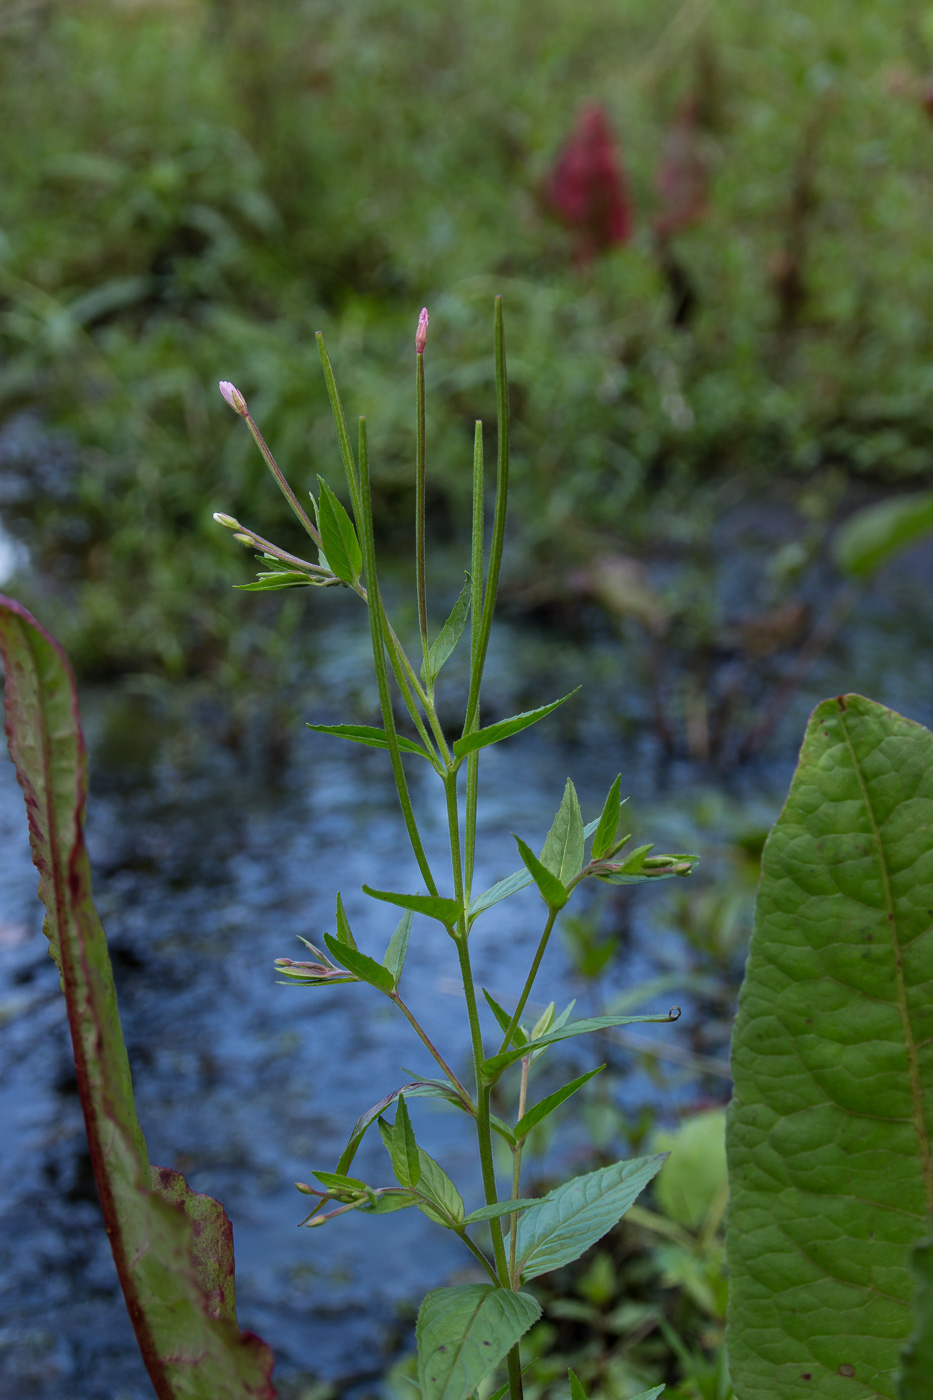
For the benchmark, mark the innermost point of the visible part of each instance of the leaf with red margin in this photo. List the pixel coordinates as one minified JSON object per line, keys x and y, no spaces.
{"x":173,"y":1248}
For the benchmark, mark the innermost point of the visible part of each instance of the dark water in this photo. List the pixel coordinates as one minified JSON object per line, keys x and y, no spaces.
{"x":208,"y":865}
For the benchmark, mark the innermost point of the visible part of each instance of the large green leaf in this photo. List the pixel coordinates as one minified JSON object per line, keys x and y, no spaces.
{"x":504,"y":728}
{"x":173,"y":1248}
{"x":829,"y":1131}
{"x":565,"y":1222}
{"x":463,"y":1333}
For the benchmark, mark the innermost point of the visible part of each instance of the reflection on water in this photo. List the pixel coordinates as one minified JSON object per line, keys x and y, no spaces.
{"x":206,"y":870}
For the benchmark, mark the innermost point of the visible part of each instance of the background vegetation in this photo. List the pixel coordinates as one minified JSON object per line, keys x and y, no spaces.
{"x":191,"y":189}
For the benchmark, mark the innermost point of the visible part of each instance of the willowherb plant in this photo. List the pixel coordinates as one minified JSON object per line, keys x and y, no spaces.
{"x":463,"y":1332}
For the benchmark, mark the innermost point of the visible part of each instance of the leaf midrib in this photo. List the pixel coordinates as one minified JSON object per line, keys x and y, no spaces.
{"x":923,"y":1141}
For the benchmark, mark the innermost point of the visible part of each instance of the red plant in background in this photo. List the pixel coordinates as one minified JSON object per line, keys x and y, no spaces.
{"x":683,"y":175}
{"x":587,"y":188}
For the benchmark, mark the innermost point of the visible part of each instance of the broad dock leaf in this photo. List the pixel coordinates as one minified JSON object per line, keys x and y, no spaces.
{"x":173,"y":1248}
{"x":829,"y":1130}
{"x":569,"y":1219}
{"x":463,"y":1333}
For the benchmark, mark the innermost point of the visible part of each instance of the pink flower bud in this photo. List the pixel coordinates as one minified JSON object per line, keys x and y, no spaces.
{"x":421,"y":335}
{"x":234,"y":398}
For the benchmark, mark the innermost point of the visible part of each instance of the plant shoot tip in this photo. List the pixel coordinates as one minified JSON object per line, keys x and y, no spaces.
{"x":421,"y":335}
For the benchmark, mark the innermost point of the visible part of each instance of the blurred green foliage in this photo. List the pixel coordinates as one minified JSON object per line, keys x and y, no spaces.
{"x":191,"y":189}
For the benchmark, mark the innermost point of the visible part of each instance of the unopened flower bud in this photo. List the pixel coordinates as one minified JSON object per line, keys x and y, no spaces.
{"x":227,"y":520}
{"x":244,"y":539}
{"x":421,"y":335}
{"x":305,"y":1189}
{"x":234,"y":398}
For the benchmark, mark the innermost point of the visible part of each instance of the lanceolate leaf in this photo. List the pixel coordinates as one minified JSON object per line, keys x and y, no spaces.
{"x":344,"y":932}
{"x":510,"y":885}
{"x":354,"y":961}
{"x":369,"y":735}
{"x":504,"y":1019}
{"x":394,"y":958}
{"x":518,"y":880}
{"x":434,"y":906}
{"x":504,"y":728}
{"x":497,"y":1211}
{"x":406,"y":1144}
{"x":444,"y":1203}
{"x":451,"y":632}
{"x":549,"y":887}
{"x":342,"y":548}
{"x":563,"y":849}
{"x":569,"y":1219}
{"x":829,"y":1131}
{"x":418,"y":1088}
{"x":463,"y":1333}
{"x":172,"y":1247}
{"x":542,"y":1110}
{"x":494,"y":1066}
{"x":608,"y":824}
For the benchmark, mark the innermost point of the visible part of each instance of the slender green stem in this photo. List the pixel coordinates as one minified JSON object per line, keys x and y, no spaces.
{"x":268,"y":547}
{"x":419,"y":503}
{"x":516,"y":1386}
{"x":476,"y":568}
{"x":529,"y":981}
{"x":479,"y":1255}
{"x":517,"y":1167}
{"x":368,"y":546}
{"x":498,"y":522}
{"x":284,"y":487}
{"x":422,"y":1034}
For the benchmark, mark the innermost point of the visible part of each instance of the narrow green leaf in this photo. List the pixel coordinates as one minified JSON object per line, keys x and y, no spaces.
{"x":443,"y":1202}
{"x":651,"y":1394}
{"x":500,"y":1209}
{"x":366,"y":968}
{"x":394,"y":959}
{"x":388,"y":1203}
{"x":542,"y":1110}
{"x":608,"y":823}
{"x":563,"y":848}
{"x":407,"y":1146}
{"x":344,"y":932}
{"x":549,"y":887}
{"x":439,"y":1189}
{"x":829,"y":1130}
{"x":369,"y":735}
{"x":344,"y":556}
{"x":502,"y":1129}
{"x":463,"y":1333}
{"x":268,"y":583}
{"x":504,"y":1019}
{"x":569,"y":1219}
{"x":451,"y":632}
{"x":917,"y":1356}
{"x":173,"y":1248}
{"x":418,"y":1088}
{"x":447,"y":911}
{"x":512,"y":883}
{"x":576,"y":1389}
{"x":872,"y":536}
{"x":493,"y":733}
{"x":494,"y":1066}
{"x":336,"y":1181}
